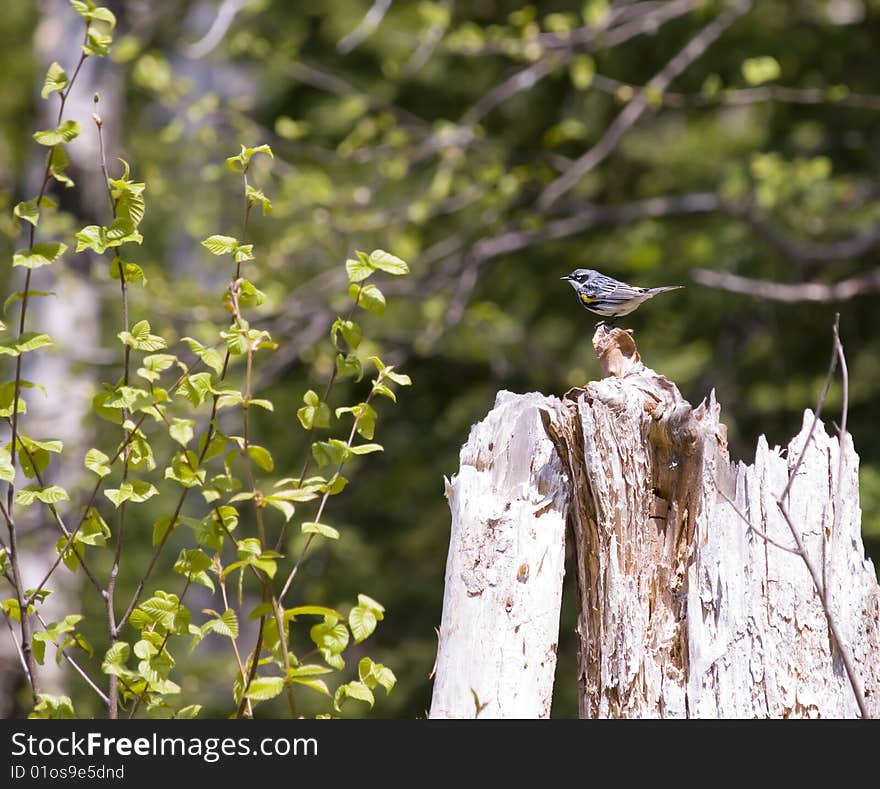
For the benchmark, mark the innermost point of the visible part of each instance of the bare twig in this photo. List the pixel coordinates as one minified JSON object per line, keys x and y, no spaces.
{"x":225,"y":16}
{"x":367,"y":26}
{"x":837,"y":96}
{"x":633,"y":111}
{"x":803,"y":291}
{"x":820,"y":587}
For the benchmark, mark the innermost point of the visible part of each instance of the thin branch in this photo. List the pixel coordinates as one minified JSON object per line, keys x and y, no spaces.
{"x":837,"y":96}
{"x":633,"y":111}
{"x":365,"y":28}
{"x":842,"y":646}
{"x":89,"y":681}
{"x":222,"y":22}
{"x":763,"y":535}
{"x":821,"y":591}
{"x":805,"y":291}
{"x":428,"y":43}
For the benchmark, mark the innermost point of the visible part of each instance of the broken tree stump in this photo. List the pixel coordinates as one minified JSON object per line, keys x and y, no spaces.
{"x":693,"y":599}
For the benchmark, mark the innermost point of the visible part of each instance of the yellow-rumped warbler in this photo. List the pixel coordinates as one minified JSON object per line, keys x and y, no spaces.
{"x":609,"y":297}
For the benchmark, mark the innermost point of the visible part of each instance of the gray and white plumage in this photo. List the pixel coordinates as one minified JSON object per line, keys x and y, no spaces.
{"x":607,"y":296}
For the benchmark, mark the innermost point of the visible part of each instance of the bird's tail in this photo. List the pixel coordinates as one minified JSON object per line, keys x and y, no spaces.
{"x":662,"y":289}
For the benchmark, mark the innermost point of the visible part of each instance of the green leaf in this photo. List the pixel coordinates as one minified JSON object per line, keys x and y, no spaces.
{"x":399,"y":378}
{"x":311,"y":682}
{"x":762,"y":69}
{"x":133,"y":490}
{"x":67,"y":131}
{"x":310,"y":610}
{"x":314,"y":413}
{"x":223,"y":625}
{"x":132,"y":272}
{"x":261,"y":456}
{"x":349,"y":330}
{"x":365,"y":415}
{"x":185,"y":469}
{"x":50,"y":706}
{"x":58,"y":162}
{"x":51,"y":494}
{"x":116,"y":657}
{"x":56,"y":80}
{"x":29,"y":210}
{"x":331,"y":638}
{"x":264,"y":688}
{"x":358,"y":269}
{"x":140,"y":338}
{"x":160,"y":528}
{"x":193,"y":564}
{"x":39,"y":255}
{"x":240,"y":163}
{"x":220,"y":245}
{"x":256,"y":196}
{"x":98,"y":462}
{"x":362,"y":622}
{"x":242,"y":253}
{"x":248,"y":295}
{"x":353,"y":690}
{"x":13,"y":297}
{"x":372,"y":674}
{"x":182,"y":430}
{"x":210,"y":356}
{"x":285,"y":507}
{"x":582,"y":70}
{"x":92,"y":237}
{"x":188,"y":712}
{"x":7,"y":471}
{"x":369,"y":297}
{"x":349,"y":364}
{"x":29,"y":341}
{"x":381,"y":389}
{"x":329,"y":532}
{"x":92,"y":13}
{"x":365,"y":449}
{"x":329,"y":452}
{"x":388,"y":263}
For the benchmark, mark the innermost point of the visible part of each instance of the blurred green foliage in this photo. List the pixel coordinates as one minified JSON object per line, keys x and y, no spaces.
{"x":405,"y":141}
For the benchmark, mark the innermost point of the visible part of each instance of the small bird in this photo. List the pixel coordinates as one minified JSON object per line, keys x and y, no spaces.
{"x":609,"y":297}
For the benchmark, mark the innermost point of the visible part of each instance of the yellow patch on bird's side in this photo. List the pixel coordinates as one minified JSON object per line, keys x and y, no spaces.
{"x":586,"y":299}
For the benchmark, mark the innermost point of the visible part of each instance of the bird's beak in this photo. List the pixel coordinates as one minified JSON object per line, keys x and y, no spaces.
{"x":567,"y":276}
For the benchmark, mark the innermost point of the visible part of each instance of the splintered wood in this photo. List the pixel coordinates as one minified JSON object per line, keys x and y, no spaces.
{"x":500,"y":626}
{"x":692,"y":602}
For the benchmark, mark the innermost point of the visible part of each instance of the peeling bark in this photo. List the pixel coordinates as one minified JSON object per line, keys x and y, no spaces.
{"x":693,"y":602}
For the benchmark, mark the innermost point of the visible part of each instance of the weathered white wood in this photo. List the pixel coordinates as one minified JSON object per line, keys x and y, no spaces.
{"x":692,"y":600}
{"x":685,"y":611}
{"x":500,"y":625}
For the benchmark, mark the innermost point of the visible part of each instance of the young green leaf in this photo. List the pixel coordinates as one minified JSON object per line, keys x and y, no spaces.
{"x":51,"y":494}
{"x":39,"y":255}
{"x":58,"y":162}
{"x":320,"y":528}
{"x":98,"y":462}
{"x":314,"y":413}
{"x":388,"y":263}
{"x":65,"y":132}
{"x":358,"y":269}
{"x":264,"y":688}
{"x":261,"y":456}
{"x":220,"y":245}
{"x":369,"y":297}
{"x":182,"y":430}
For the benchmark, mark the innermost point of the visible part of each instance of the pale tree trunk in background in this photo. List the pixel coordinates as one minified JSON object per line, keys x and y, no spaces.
{"x":71,"y":318}
{"x":692,"y":601}
{"x":497,"y":652}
